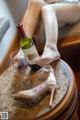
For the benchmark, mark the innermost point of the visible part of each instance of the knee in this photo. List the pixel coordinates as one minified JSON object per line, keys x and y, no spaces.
{"x":47,"y":9}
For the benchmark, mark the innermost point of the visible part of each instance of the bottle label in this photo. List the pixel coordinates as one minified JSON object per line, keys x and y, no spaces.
{"x":31,"y":54}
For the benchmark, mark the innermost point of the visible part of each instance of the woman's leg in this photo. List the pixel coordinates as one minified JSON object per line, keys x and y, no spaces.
{"x":31,"y":16}
{"x":52,"y":15}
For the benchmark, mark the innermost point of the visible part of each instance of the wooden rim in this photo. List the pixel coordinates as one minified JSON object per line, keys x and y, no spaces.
{"x":71,"y":109}
{"x":63,"y":105}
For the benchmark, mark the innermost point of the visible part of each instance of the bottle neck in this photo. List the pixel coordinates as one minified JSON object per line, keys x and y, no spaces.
{"x":21,"y":30}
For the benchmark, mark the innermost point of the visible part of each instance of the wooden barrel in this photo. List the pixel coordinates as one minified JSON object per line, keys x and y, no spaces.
{"x":67,"y":108}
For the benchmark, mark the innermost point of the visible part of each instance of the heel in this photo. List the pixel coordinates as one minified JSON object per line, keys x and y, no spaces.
{"x":51,"y":97}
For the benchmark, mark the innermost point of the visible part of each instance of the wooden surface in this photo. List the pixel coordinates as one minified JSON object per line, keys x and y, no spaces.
{"x":69,"y":42}
{"x":5,"y":63}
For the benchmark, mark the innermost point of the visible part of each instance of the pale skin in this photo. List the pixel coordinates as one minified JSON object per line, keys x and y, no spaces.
{"x":53,"y":15}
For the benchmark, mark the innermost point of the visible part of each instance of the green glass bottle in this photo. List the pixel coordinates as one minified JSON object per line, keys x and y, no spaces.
{"x":28,"y":47}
